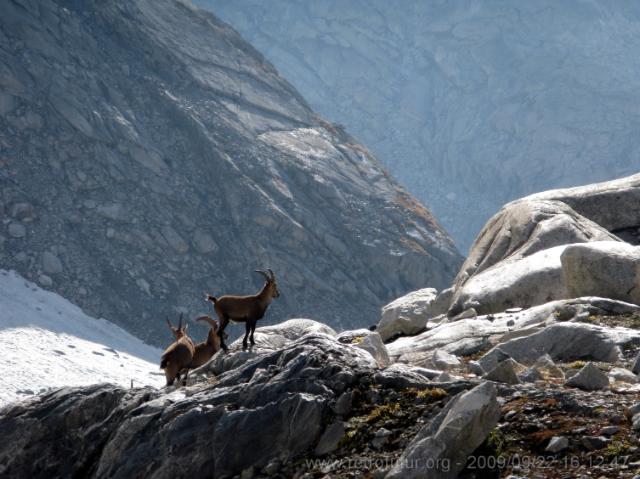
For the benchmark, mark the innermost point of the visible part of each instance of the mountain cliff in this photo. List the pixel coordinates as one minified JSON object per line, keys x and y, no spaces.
{"x":148,"y":153}
{"x":472,"y":103}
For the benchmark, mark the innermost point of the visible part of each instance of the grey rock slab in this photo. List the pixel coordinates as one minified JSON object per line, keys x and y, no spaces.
{"x":330,"y":439}
{"x":45,"y":280}
{"x":469,"y":336}
{"x":469,"y":313}
{"x":444,"y":377}
{"x":635,"y":422}
{"x":380,"y":438}
{"x":635,"y":409}
{"x":622,"y":375}
{"x":610,"y":430}
{"x":438,"y":360}
{"x":474,"y":367}
{"x":635,"y":368}
{"x":343,"y":404}
{"x":268,"y":339}
{"x":547,"y":367}
{"x":204,"y":243}
{"x":566,"y":342}
{"x":505,"y":372}
{"x":440,"y":449}
{"x":442,"y":303}
{"x":174,"y":239}
{"x":528,"y":281}
{"x":404,"y":376}
{"x":607,"y":268}
{"x":531,"y":375}
{"x":113,"y":211}
{"x":557,"y":444}
{"x":589,"y":378}
{"x":407,"y":315}
{"x":51,"y":264}
{"x":22,"y":211}
{"x":593,"y":443}
{"x":369,"y":341}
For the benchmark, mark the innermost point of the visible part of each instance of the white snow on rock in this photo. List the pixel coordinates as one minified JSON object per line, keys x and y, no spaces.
{"x":48,"y":342}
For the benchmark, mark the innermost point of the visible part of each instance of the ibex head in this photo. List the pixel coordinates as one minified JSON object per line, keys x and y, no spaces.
{"x":270,"y":278}
{"x":180,"y":331}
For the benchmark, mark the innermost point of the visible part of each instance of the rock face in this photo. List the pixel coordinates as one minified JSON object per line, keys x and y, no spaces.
{"x":471,"y":104}
{"x":611,"y":269}
{"x":149,"y":153}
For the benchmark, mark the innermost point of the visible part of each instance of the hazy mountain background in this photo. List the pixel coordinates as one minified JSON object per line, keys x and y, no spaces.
{"x":148,"y":154}
{"x":470,"y":103}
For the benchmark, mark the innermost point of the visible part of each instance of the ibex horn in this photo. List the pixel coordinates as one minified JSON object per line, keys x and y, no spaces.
{"x":273,"y":276}
{"x":266,"y":276}
{"x":169,"y":323}
{"x":180,"y":323}
{"x":212,"y":322}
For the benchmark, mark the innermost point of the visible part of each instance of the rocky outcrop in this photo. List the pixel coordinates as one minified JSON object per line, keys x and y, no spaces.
{"x":539,"y":248}
{"x":515,"y":260}
{"x":471,"y":104}
{"x":268,"y":339}
{"x":149,"y":153}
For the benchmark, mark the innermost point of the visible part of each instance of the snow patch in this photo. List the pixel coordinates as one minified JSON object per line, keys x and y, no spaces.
{"x":49,"y":342}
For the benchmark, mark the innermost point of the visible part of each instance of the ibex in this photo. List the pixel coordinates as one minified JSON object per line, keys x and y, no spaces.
{"x":245,"y":309}
{"x":178,"y":356}
{"x":206,"y":349}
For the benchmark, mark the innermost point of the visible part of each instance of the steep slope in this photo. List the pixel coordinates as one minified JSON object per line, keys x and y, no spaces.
{"x":148,"y":153}
{"x":470,"y":103}
{"x":48,"y":342}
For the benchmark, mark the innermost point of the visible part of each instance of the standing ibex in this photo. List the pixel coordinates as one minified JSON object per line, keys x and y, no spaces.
{"x":178,"y":356}
{"x":245,"y":309}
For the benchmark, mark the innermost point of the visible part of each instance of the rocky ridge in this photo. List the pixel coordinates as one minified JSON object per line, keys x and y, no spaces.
{"x":148,"y":153}
{"x":537,"y":391}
